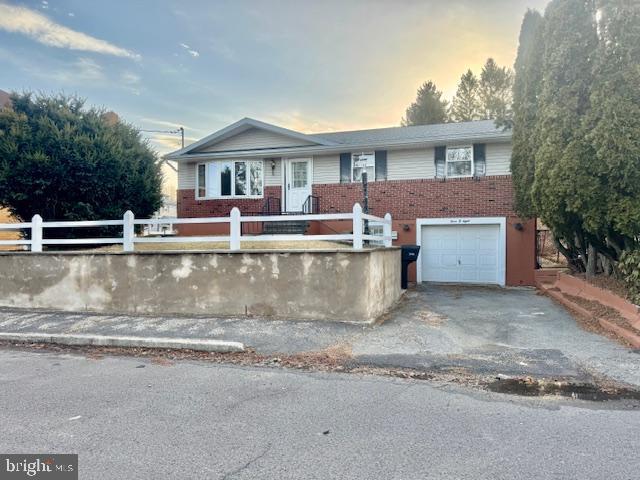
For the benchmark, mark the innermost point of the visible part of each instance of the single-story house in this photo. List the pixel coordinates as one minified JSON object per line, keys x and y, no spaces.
{"x":448,"y":188}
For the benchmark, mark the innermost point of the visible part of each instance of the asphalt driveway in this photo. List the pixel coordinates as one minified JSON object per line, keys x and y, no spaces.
{"x":476,"y":330}
{"x":493,"y":331}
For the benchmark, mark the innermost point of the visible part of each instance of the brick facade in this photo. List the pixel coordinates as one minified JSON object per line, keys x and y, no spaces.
{"x":406,"y":200}
{"x":424,"y":198}
{"x":190,"y":207}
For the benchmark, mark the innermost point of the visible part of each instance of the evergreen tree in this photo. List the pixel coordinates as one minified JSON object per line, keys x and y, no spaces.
{"x":66,"y":162}
{"x":526,"y":90}
{"x":563,"y":182}
{"x":613,"y":126}
{"x":495,"y":90}
{"x":465,"y":106}
{"x":428,"y":108}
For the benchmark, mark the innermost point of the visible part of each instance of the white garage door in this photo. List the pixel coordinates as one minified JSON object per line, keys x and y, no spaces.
{"x":461,"y":253}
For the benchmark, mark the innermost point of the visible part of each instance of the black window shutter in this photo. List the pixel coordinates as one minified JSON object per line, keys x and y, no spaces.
{"x":345,"y":167}
{"x":381,"y":164}
{"x":440,"y":161}
{"x":479,"y":159}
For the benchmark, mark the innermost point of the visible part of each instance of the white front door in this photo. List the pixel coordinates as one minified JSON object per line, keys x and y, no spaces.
{"x":297,"y":183}
{"x":461,"y":253}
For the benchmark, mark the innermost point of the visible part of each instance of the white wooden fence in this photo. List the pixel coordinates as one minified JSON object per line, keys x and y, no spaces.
{"x":235,"y":237}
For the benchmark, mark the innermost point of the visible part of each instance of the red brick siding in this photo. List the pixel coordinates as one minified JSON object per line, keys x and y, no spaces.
{"x":189,"y":207}
{"x":424,"y":198}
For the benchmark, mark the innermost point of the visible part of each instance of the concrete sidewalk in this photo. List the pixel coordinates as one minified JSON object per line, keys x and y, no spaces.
{"x":484,"y":331}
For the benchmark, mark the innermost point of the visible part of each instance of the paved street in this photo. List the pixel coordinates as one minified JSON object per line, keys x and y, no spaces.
{"x":483,"y":331}
{"x":132,"y":418}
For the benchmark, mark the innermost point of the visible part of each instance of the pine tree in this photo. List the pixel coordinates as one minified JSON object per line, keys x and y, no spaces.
{"x":495,"y":90}
{"x":465,"y":106}
{"x":428,"y":108}
{"x":526,"y":90}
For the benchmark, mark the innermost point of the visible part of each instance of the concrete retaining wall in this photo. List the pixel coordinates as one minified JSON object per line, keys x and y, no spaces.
{"x":340,"y":285}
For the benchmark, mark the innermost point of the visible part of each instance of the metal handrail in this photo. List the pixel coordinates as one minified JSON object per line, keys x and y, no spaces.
{"x":311,"y":205}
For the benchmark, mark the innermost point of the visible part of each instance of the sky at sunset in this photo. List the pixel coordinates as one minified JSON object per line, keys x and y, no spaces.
{"x":307,"y":65}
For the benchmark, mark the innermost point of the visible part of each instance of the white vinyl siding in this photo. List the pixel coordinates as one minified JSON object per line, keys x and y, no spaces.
{"x":498,"y":158}
{"x":405,"y":164}
{"x":326,"y":169}
{"x":186,"y":176}
{"x":272,"y":177}
{"x":253,"y":139}
{"x":410,"y":164}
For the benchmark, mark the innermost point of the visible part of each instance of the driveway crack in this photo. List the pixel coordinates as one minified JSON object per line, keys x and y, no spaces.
{"x":251,"y":461}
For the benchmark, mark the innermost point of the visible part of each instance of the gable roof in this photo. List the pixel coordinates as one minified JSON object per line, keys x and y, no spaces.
{"x":244,"y":125}
{"x":399,"y":137}
{"x":427,"y":133}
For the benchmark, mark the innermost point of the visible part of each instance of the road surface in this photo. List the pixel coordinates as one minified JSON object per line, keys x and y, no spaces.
{"x":133,"y":418}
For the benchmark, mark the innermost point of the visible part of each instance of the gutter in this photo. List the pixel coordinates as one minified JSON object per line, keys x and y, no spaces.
{"x":328,"y":149}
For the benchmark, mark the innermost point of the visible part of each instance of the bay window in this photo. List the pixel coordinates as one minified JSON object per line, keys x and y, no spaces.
{"x":230,"y":178}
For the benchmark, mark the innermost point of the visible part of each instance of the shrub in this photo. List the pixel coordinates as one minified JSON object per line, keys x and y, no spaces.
{"x":629,"y":269}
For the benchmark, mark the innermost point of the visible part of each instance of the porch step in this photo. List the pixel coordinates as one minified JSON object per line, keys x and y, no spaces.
{"x":287,"y":227}
{"x":546,"y":276}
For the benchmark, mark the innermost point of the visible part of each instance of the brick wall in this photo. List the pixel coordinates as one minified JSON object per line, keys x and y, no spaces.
{"x":459,"y":197}
{"x":188,"y":206}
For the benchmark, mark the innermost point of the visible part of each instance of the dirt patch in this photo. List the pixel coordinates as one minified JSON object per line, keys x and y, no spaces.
{"x":606,"y":282}
{"x":245,"y":245}
{"x":430,"y":318}
{"x":597,"y":311}
{"x":338,"y":358}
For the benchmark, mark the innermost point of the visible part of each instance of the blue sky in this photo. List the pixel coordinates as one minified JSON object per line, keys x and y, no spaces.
{"x":308,"y":65}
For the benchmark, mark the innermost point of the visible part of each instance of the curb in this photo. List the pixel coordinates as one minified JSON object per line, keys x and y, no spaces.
{"x":630,"y":336}
{"x":125,"y":342}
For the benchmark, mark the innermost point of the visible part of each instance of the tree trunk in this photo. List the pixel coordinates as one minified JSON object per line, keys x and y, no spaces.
{"x":592,"y":258}
{"x":607,"y":265}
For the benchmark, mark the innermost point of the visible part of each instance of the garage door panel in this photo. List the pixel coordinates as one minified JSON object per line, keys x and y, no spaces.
{"x":467,"y":260}
{"x":461,"y":253}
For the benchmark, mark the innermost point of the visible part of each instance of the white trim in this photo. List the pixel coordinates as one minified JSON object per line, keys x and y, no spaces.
{"x":243,"y":125}
{"x":372,"y":153}
{"x":502,"y":239}
{"x":233,"y":179}
{"x":285,"y":170}
{"x":446,"y":161}
{"x":331,"y":149}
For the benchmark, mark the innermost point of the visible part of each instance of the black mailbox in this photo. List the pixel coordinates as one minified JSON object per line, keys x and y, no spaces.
{"x":409,"y":255}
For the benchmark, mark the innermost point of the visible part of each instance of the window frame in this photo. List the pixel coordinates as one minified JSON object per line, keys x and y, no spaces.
{"x":233,"y":179}
{"x":447,"y":162}
{"x":373,"y":176}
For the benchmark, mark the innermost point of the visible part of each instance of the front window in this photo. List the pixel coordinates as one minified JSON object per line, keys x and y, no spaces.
{"x":238,"y":178}
{"x":361,"y":162}
{"x":460,"y":162}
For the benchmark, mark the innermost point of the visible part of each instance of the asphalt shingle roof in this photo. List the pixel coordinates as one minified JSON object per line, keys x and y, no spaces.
{"x":427,"y":133}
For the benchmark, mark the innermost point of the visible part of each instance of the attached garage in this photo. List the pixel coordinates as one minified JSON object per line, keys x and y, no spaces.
{"x":462,"y":250}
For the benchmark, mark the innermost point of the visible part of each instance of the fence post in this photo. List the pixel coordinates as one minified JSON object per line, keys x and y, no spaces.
{"x":36,"y":233}
{"x":386,"y":230}
{"x":234,"y":229}
{"x":127,"y":231}
{"x":357,"y":226}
